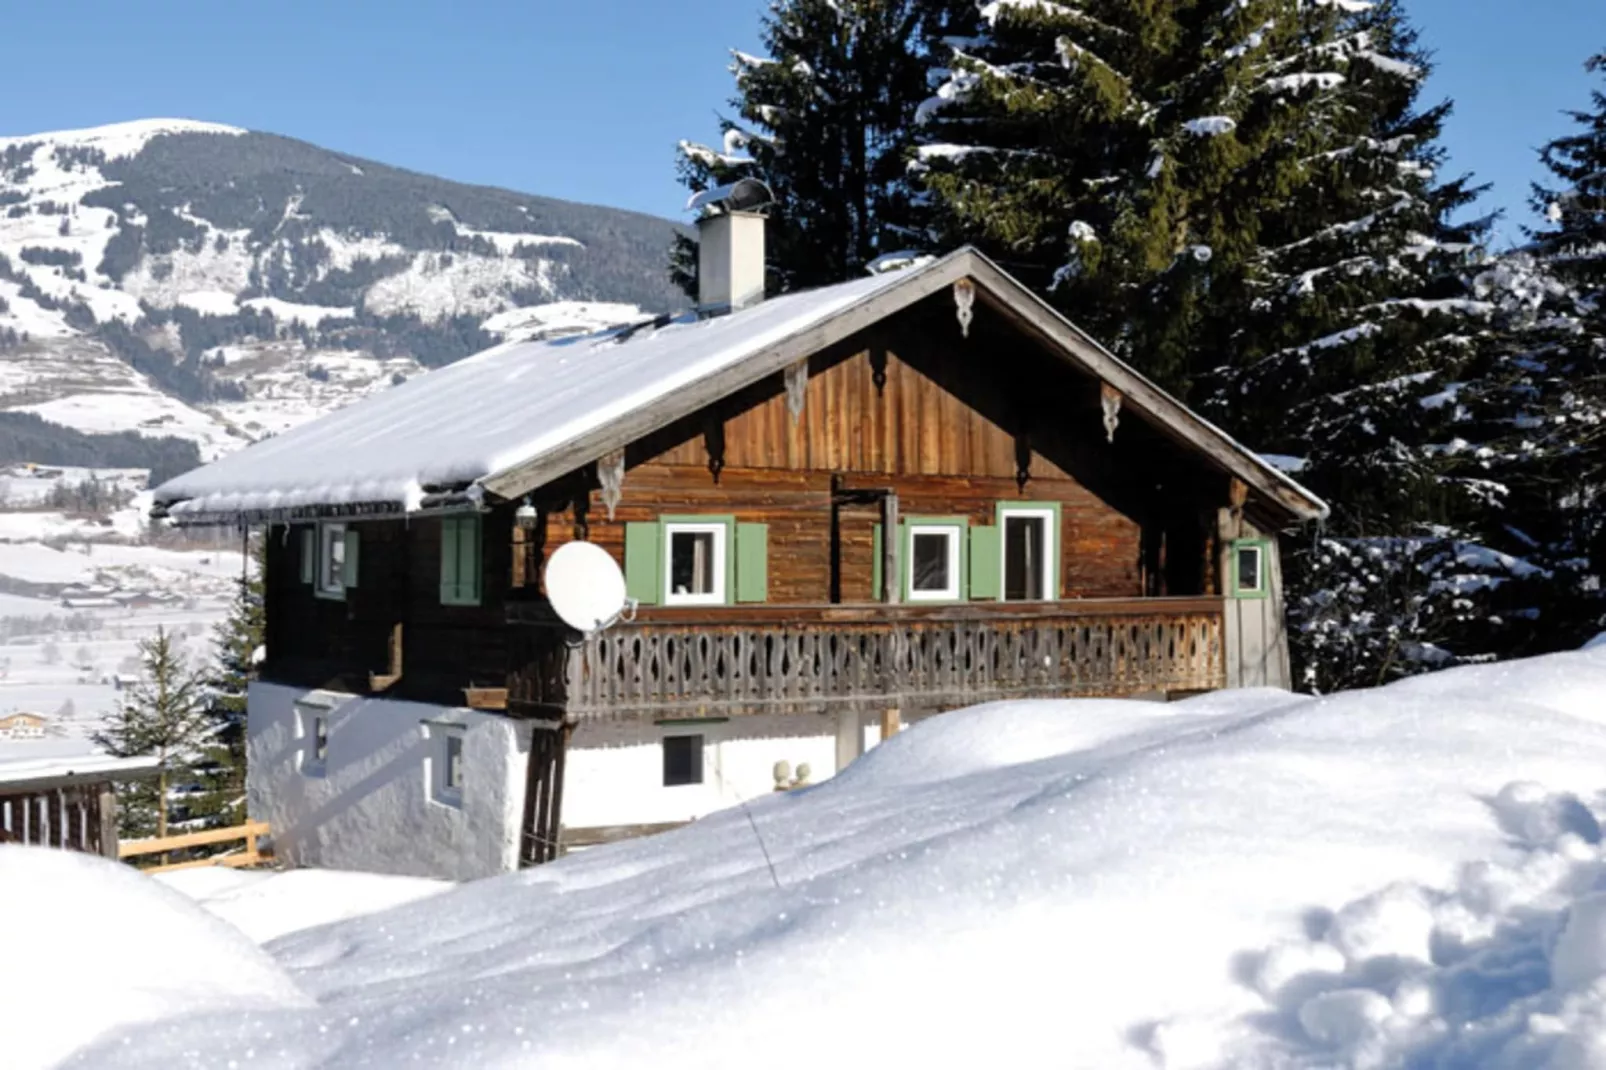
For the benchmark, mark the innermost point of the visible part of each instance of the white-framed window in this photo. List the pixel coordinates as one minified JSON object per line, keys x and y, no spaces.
{"x":1249,"y":568}
{"x":1030,"y":553}
{"x":331,"y":580}
{"x":312,"y":729}
{"x":683,"y":760}
{"x":933,"y":562}
{"x":445,"y":763}
{"x":694,"y":563}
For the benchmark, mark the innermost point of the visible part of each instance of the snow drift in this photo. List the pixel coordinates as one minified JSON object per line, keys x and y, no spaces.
{"x":1407,"y":876}
{"x":90,"y":945}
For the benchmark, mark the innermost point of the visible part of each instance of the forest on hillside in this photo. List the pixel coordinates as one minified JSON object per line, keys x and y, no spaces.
{"x":1247,"y":201}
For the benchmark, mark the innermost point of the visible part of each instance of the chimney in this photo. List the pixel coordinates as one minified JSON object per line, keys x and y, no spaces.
{"x":730,"y":245}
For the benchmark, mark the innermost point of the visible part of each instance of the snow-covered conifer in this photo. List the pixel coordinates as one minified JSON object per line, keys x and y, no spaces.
{"x":825,"y":118}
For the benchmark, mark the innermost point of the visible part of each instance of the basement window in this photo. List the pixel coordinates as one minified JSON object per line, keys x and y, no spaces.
{"x":312,"y":728}
{"x":683,"y":760}
{"x":446,"y":772}
{"x":694,"y":564}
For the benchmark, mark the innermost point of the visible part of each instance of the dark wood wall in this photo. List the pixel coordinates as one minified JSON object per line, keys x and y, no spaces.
{"x":323,"y":642}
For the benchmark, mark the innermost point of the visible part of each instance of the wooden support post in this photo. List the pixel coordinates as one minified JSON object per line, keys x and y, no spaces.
{"x":108,"y":822}
{"x":889,"y":548}
{"x":891,"y":723}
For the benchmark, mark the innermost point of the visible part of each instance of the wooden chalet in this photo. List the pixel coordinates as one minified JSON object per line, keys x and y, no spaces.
{"x":914,"y":491}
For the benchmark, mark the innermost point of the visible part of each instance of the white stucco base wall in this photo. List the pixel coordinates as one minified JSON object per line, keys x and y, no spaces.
{"x":614,"y":772}
{"x":376,"y":804}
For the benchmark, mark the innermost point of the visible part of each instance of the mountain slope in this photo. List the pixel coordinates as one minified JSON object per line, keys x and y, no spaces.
{"x":218,"y":284}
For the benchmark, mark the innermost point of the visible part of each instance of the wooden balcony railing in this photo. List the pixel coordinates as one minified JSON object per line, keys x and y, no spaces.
{"x":747,"y":659}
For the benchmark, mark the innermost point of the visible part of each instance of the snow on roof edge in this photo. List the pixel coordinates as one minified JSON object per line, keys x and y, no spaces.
{"x":712,"y":350}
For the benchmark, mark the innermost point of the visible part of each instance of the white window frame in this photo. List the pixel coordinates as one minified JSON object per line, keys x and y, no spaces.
{"x":330,"y":535}
{"x":953,"y":533}
{"x":720,"y":532}
{"x":437,"y":764}
{"x":1051,"y":549}
{"x":308,"y":718}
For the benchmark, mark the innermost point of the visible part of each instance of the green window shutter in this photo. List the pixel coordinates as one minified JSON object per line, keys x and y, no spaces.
{"x":752,"y":562}
{"x":470,"y":568}
{"x":876,"y":593}
{"x":643,"y":561}
{"x":448,"y":561}
{"x":309,"y":553}
{"x":460,"y":561}
{"x":986,"y":562}
{"x":353,"y":542}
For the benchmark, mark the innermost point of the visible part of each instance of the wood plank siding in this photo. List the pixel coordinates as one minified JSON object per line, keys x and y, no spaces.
{"x":952,"y":426}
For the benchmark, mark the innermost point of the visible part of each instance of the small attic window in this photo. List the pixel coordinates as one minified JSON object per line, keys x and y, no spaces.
{"x":1249,"y":560}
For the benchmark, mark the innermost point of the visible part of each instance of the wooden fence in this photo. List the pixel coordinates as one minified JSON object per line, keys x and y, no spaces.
{"x":81,"y":816}
{"x":164,"y":845}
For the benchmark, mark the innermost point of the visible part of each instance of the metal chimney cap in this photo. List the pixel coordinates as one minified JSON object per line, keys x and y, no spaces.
{"x":743,"y":195}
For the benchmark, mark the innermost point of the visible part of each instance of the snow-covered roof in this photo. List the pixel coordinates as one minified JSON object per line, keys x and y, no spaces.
{"x":518,"y":415}
{"x":39,"y":771}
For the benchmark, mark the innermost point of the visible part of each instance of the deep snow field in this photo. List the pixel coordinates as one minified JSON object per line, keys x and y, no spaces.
{"x":1405,"y":877}
{"x":68,"y":626}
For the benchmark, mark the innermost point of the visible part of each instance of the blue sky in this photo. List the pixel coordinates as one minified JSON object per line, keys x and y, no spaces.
{"x":586,"y":100}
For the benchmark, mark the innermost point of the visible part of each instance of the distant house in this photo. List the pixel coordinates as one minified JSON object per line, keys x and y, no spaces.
{"x":23,"y":725}
{"x":836,"y":510}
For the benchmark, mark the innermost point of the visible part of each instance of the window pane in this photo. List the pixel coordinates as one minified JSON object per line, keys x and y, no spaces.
{"x":320,"y":740}
{"x":334,"y":556}
{"x":929,"y":564}
{"x":1025,"y":564}
{"x":683,"y":760}
{"x":454,"y":761}
{"x":1249,"y":568}
{"x":691,"y":562}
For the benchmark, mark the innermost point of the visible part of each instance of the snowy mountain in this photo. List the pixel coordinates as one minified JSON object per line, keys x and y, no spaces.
{"x":178,"y":278}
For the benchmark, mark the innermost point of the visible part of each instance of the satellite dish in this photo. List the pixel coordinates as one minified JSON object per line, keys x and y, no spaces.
{"x":585,"y":586}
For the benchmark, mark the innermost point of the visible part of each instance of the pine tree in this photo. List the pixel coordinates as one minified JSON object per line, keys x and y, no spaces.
{"x":1119,"y":157}
{"x":163,"y":716}
{"x":1539,"y":404}
{"x":825,"y":120}
{"x":237,"y":641}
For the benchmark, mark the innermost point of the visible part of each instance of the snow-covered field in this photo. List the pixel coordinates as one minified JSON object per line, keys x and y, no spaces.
{"x":77,"y":594}
{"x":1409,"y":877}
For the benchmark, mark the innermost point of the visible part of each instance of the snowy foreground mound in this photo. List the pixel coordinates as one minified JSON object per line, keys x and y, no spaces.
{"x":89,"y":945}
{"x":1405,"y":877}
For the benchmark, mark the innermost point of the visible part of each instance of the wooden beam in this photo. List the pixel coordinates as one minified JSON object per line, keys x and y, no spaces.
{"x":485,"y":698}
{"x":891,"y":723}
{"x":597,"y":835}
{"x":890,"y":580}
{"x":248,"y":832}
{"x":382,"y":681}
{"x":231,"y":861}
